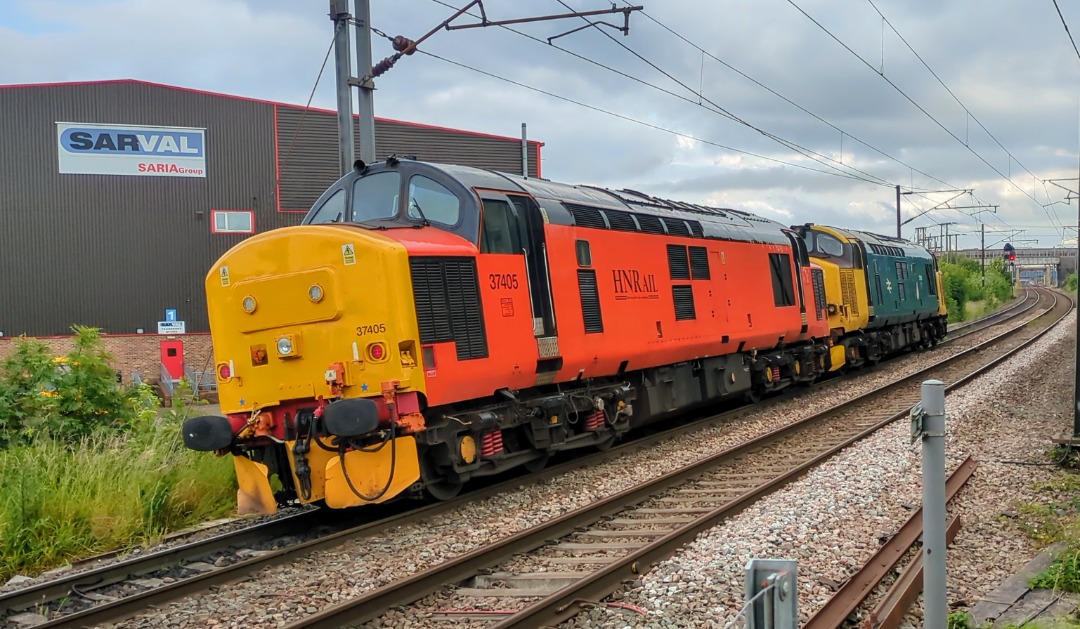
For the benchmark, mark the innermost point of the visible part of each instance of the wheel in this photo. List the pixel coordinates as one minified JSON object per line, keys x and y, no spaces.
{"x":440,"y":482}
{"x":443,"y":489}
{"x":606,"y":444}
{"x":752,"y":396}
{"x":538,"y":463}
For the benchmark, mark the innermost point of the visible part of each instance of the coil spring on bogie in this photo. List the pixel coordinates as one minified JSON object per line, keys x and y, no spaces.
{"x":595,"y":421}
{"x":491,"y":443}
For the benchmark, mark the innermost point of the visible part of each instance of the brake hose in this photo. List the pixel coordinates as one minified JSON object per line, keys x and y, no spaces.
{"x":393,"y":465}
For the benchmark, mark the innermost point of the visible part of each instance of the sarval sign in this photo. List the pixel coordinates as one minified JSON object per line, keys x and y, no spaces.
{"x":102,"y":149}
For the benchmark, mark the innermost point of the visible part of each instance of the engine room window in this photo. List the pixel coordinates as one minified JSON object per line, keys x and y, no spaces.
{"x":584,"y":253}
{"x":783,"y":291}
{"x":500,"y":231}
{"x":375,"y":196}
{"x":431,"y":200}
{"x":333,"y":211}
{"x":233,"y":221}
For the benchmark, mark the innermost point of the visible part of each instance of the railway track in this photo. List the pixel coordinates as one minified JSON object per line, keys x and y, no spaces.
{"x":120,"y":589}
{"x":543,"y":575}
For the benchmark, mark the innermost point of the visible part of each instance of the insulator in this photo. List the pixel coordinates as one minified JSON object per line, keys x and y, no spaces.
{"x":384,"y":65}
{"x":401,"y":44}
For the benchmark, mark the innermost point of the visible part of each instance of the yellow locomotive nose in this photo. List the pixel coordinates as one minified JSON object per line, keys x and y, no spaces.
{"x":285,"y":310}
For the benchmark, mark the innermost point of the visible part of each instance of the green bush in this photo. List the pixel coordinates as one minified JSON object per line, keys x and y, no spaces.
{"x":67,"y":396}
{"x":1070,"y":283}
{"x":965,"y":282}
{"x":1063,"y":575}
{"x":88,"y":466}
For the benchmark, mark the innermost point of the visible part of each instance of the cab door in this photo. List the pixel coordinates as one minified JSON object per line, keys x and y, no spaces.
{"x":512,"y":225}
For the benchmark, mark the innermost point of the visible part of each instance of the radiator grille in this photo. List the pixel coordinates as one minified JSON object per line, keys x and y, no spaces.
{"x":678,"y":262}
{"x":590,"y":301}
{"x":585,"y":216}
{"x":683,"y":296}
{"x":448,"y":308}
{"x":847,"y":290}
{"x":699,"y":263}
{"x":819,"y":292}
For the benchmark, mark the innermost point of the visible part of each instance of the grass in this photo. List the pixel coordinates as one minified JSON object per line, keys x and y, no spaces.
{"x":1056,"y":518}
{"x":65,"y":500}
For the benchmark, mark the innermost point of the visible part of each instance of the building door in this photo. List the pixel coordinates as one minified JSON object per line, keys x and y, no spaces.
{"x":172,"y":358}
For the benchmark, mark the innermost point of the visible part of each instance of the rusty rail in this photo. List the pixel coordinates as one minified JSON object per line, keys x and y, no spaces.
{"x":854,"y":592}
{"x":890,"y":610}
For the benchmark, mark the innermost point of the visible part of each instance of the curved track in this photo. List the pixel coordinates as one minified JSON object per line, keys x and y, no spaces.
{"x":615,"y":539}
{"x":123,"y":588}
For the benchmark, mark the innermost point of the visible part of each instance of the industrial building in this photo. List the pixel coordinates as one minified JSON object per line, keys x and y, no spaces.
{"x":118,"y":196}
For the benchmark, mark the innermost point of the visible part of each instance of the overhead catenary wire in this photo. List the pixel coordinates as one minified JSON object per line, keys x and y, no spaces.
{"x":967,"y":111}
{"x":635,"y":120}
{"x":916,"y":104}
{"x":843,"y":132}
{"x":707,"y":105}
{"x":714,"y":108}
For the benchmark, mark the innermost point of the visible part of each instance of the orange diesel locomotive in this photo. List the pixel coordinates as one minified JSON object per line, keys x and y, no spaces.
{"x":431,"y":323}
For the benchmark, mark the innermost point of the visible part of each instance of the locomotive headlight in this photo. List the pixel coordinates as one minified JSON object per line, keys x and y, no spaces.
{"x":315,"y":293}
{"x":284,"y":346}
{"x":249,"y":304}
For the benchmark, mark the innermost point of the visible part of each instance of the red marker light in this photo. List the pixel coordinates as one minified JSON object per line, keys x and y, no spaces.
{"x":377,"y":352}
{"x":224,"y":372}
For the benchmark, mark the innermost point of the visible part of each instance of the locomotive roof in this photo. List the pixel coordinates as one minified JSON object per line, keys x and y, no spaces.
{"x":907,"y":249}
{"x":567,"y":204}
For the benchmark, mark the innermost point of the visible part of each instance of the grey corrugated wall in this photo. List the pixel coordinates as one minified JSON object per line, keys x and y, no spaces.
{"x":116,"y":251}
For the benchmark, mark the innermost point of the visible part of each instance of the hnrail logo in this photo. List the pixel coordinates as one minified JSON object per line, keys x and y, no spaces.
{"x":106,"y":149}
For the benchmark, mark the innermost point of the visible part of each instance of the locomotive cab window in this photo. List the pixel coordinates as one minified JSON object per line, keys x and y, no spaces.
{"x":333,"y":211}
{"x":375,"y":197}
{"x":429,"y":199}
{"x":499,"y":233}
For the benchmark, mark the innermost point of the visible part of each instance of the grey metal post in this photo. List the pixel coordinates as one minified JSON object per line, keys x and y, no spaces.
{"x":524,"y":151}
{"x":982,"y":251}
{"x":366,"y":88}
{"x":898,"y":212}
{"x":933,"y":469}
{"x":339,"y":13}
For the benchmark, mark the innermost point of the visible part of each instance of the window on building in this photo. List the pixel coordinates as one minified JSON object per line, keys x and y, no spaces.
{"x":233,"y":221}
{"x":431,"y":200}
{"x":333,"y":211}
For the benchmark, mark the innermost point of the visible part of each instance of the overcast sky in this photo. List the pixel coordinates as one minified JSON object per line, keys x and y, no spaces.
{"x":777,"y":116}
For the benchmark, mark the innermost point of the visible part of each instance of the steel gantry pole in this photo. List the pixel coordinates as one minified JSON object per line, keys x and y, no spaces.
{"x":339,"y":13}
{"x":366,"y":84}
{"x":898,"y":212}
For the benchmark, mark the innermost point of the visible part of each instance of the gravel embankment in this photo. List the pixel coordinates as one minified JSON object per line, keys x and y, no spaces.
{"x":831,"y":519}
{"x":288,"y":591}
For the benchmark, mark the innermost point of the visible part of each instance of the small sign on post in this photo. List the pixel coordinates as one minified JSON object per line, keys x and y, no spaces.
{"x":917,"y":414}
{"x":171,"y":327}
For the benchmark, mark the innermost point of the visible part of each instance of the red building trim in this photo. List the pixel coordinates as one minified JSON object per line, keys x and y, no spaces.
{"x":256,"y":100}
